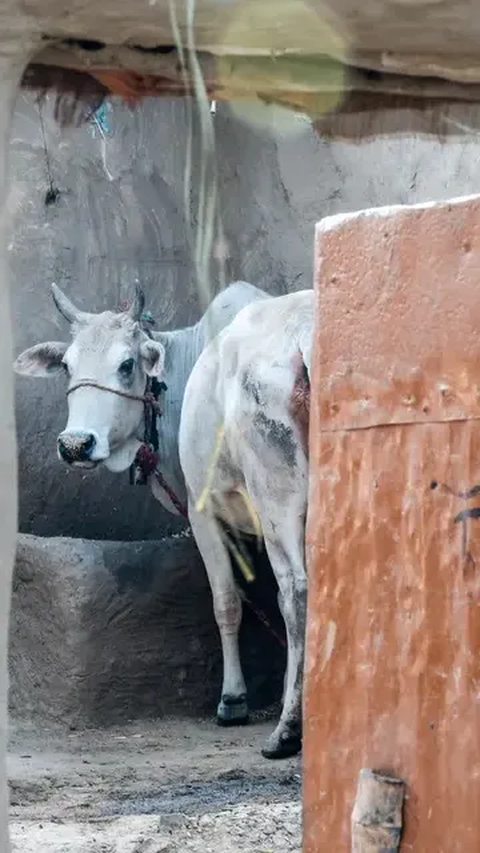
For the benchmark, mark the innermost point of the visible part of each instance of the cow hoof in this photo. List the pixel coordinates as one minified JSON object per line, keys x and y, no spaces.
{"x":232,"y":710}
{"x":283,"y":744}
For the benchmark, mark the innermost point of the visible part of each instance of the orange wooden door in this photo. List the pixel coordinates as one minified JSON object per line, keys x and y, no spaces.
{"x":392,"y":677}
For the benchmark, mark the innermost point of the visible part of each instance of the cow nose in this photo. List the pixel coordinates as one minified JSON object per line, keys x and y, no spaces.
{"x":76,"y":447}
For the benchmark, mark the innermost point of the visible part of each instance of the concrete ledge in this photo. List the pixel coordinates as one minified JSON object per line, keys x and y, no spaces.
{"x":103,"y":632}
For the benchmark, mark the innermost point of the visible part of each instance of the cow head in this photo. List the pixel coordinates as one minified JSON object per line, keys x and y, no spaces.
{"x":107,"y":351}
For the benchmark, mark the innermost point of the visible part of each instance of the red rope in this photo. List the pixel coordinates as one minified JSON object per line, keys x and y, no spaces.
{"x":171,"y":494}
{"x":261,"y":617}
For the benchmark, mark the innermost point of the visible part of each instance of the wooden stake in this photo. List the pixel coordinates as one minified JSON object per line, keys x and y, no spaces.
{"x":377,"y":813}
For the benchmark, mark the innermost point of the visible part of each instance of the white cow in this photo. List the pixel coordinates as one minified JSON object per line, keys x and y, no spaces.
{"x":243,"y":451}
{"x":252,"y":382}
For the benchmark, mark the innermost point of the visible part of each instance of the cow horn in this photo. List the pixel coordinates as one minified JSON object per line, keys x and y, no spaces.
{"x":138,"y":304}
{"x":67,"y":309}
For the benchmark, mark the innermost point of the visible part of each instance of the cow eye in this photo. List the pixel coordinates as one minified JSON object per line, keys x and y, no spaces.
{"x":126,"y":367}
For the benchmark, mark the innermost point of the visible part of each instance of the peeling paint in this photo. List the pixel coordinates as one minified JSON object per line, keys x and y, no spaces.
{"x":329,"y":644}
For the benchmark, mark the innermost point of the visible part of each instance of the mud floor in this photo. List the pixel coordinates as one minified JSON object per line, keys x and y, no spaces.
{"x":157,"y":787}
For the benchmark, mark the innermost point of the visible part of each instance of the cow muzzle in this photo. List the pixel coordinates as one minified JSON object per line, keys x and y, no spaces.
{"x":77,"y":448}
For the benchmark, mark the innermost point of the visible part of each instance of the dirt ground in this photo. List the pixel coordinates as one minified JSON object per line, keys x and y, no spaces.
{"x":156,"y":787}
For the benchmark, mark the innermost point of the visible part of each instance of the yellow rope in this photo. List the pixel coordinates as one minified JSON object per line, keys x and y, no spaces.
{"x":200,"y":505}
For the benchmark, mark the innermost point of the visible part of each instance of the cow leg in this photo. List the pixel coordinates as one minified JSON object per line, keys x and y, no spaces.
{"x":232,"y":709}
{"x":283,"y":526}
{"x":287,"y":558}
{"x":280,"y":607}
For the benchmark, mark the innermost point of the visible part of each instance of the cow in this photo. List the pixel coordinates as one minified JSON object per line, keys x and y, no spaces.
{"x":243,"y":370}
{"x":244,"y":455}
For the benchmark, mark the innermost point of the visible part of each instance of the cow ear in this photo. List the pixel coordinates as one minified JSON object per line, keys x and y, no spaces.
{"x":153,"y":357}
{"x":41,"y":360}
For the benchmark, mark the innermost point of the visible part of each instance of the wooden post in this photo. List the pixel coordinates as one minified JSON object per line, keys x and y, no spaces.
{"x":11,"y":66}
{"x":392,"y":674}
{"x":377,"y":814}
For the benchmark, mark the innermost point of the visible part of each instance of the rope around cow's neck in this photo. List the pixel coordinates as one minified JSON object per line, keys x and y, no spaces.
{"x":146,"y":459}
{"x":148,"y":398}
{"x":147,"y":454}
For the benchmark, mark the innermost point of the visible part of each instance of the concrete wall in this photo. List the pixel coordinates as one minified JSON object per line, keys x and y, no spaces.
{"x":120,"y":215}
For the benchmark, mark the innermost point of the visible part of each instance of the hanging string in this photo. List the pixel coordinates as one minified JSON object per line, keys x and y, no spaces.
{"x":52,"y":192}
